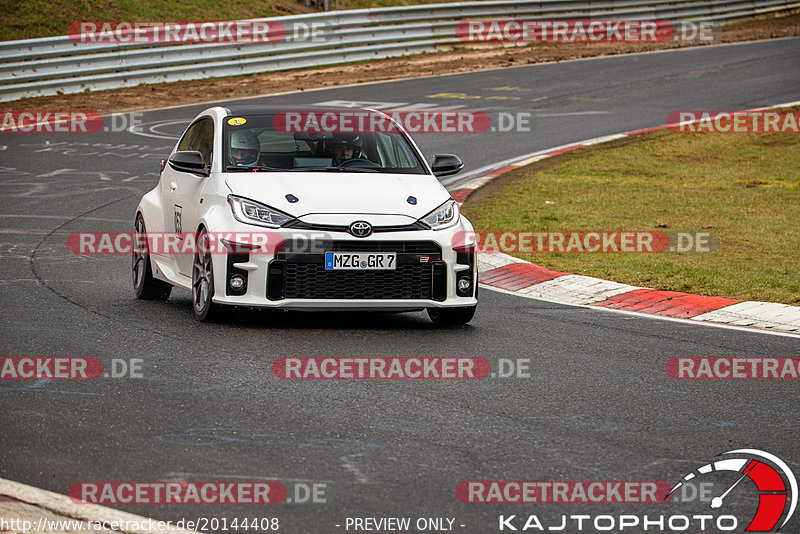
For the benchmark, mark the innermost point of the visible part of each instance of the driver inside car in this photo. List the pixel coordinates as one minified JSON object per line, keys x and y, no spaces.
{"x":345,"y":147}
{"x":244,"y":149}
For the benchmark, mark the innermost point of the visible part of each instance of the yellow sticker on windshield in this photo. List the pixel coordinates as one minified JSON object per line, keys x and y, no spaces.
{"x":237,"y":121}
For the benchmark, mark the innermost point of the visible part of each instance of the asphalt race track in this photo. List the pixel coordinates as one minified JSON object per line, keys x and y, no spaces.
{"x":597,"y":406}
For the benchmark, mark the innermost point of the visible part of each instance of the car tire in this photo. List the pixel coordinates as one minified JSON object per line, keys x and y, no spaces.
{"x":203,"y":282}
{"x":452,"y":316}
{"x":145,"y":286}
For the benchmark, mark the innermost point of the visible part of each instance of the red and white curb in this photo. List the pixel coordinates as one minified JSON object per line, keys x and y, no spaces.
{"x":524,"y":278}
{"x":520,"y":277}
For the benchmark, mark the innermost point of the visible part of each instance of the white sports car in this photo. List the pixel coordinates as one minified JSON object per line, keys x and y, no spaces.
{"x":261,"y":207}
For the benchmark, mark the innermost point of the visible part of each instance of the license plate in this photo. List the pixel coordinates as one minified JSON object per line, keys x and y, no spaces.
{"x":360,"y":261}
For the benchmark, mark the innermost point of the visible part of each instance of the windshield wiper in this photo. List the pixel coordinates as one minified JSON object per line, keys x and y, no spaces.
{"x":331,"y":169}
{"x":233,"y":168}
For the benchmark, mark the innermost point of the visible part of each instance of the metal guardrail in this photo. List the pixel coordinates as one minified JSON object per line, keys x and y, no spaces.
{"x":38,"y":67}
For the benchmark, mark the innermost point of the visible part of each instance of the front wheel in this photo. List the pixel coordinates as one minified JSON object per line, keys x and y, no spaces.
{"x":145,"y":286}
{"x":452,"y":316}
{"x":203,"y":281}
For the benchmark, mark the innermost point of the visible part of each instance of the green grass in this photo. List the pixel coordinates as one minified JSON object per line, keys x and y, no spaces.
{"x":746,"y":188}
{"x":28,"y":19}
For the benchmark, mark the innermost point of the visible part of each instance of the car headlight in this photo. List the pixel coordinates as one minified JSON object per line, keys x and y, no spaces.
{"x":250,"y":212}
{"x":442,"y":217}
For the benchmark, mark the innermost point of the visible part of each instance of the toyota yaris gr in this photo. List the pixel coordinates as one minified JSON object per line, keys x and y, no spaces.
{"x":315,"y":209}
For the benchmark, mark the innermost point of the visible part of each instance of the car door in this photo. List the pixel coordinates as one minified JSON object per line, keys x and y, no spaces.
{"x":181,"y":191}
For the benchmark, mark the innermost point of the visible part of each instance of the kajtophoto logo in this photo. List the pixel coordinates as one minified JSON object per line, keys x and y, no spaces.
{"x":710,"y":485}
{"x":771,"y":480}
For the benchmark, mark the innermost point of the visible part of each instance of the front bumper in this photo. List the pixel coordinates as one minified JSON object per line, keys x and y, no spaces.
{"x":293,"y":275}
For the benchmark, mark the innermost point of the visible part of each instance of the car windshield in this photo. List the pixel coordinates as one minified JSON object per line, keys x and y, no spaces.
{"x":327,"y":141}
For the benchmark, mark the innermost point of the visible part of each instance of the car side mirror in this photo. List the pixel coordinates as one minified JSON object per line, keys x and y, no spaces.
{"x":190,"y":161}
{"x":446,"y":164}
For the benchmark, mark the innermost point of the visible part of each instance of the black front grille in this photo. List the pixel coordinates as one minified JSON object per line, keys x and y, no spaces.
{"x":312,"y":281}
{"x":420,"y":273}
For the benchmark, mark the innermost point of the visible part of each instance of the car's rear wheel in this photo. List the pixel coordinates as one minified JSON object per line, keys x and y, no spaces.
{"x":203,"y":281}
{"x":145,"y":286}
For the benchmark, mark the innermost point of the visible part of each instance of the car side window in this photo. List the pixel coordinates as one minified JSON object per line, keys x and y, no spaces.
{"x":186,"y":140}
{"x":205,"y":140}
{"x":200,"y":137}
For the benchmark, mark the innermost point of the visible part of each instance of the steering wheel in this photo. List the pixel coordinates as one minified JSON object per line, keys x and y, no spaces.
{"x":358,"y":162}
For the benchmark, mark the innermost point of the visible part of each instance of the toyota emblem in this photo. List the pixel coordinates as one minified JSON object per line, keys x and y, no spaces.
{"x":361,"y":229}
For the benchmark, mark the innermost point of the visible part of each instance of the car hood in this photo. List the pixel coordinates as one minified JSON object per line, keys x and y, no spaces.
{"x":340,"y":192}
